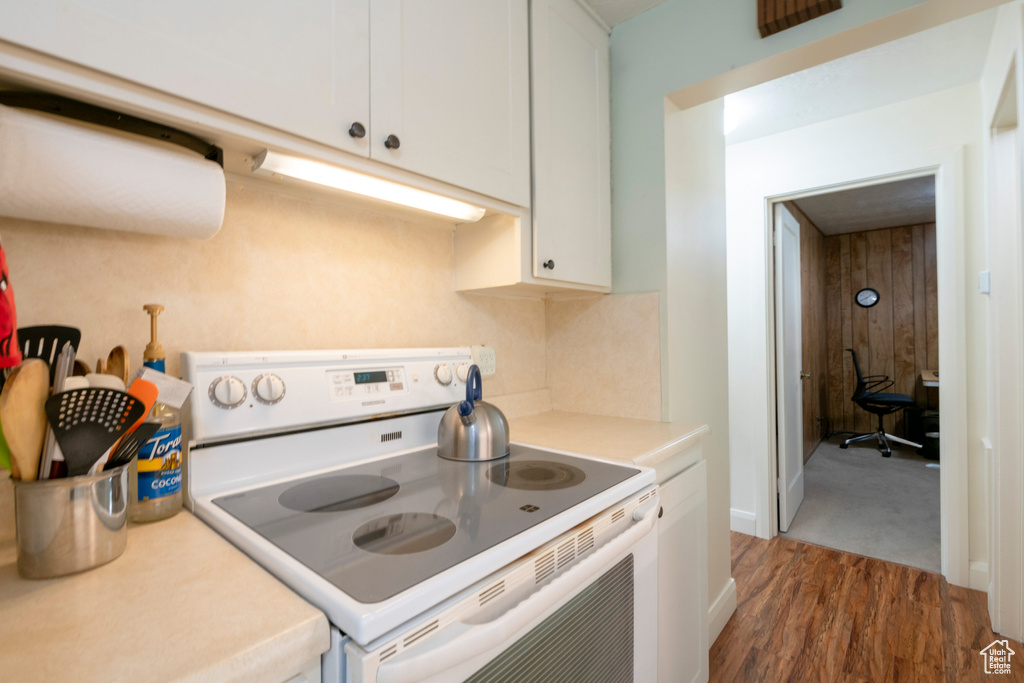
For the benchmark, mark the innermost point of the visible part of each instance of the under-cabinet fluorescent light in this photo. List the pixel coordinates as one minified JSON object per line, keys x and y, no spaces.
{"x":275,"y":163}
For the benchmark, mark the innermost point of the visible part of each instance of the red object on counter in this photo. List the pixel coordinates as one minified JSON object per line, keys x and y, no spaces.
{"x":10,"y":353}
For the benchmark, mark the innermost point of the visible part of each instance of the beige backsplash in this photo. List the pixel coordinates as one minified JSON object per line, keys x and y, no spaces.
{"x":290,"y":273}
{"x":604,"y":355}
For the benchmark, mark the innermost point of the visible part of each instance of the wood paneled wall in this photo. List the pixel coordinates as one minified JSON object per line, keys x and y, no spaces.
{"x":898,"y":337}
{"x":814,"y":354}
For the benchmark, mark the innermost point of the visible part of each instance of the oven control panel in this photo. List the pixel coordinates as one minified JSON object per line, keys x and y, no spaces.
{"x":352,"y":384}
{"x":242,"y":393}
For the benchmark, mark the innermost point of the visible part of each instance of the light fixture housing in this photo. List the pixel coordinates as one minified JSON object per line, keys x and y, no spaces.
{"x":269,"y":162}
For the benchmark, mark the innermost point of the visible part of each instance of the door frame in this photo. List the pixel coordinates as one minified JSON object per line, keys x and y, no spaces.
{"x":1005,"y":149}
{"x":778,"y":210}
{"x":947,"y":167}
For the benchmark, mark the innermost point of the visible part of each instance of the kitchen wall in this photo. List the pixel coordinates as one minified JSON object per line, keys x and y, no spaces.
{"x":813,"y":319}
{"x":283,"y":273}
{"x":898,"y":336}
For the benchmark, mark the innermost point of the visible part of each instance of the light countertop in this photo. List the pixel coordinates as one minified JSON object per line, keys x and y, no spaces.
{"x":665,"y":446}
{"x":184,"y":604}
{"x":180,"y":604}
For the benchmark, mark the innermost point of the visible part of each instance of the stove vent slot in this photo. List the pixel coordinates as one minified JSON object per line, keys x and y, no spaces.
{"x":619,"y":514}
{"x":492,"y":592}
{"x":390,"y":436}
{"x":644,"y":497}
{"x":586,"y":540}
{"x":566,"y":552}
{"x":389,"y":652}
{"x":545,"y":566}
{"x":419,"y":633}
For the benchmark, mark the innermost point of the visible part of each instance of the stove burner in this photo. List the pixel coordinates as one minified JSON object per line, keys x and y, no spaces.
{"x":410,"y":532}
{"x":338,"y":493}
{"x":537,"y":475}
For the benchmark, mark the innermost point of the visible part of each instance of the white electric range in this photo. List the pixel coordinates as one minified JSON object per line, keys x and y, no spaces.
{"x":322,"y":466}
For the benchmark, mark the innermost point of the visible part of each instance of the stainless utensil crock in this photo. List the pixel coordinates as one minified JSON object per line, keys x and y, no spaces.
{"x":70,"y":524}
{"x":473,"y":430}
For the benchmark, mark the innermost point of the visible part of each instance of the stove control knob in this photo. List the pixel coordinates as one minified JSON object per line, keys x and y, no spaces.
{"x":268,"y":388}
{"x":443,"y":374}
{"x":227,"y":392}
{"x":462,"y":372}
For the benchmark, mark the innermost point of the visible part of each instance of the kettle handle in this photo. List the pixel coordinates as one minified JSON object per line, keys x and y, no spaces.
{"x":474,"y":385}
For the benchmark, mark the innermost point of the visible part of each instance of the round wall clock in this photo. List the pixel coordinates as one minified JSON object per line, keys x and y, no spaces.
{"x":867,"y":297}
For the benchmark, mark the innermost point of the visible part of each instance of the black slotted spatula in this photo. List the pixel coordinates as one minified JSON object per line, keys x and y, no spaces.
{"x":87,"y":422}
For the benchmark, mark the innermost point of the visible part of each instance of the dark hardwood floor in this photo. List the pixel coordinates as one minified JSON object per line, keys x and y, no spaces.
{"x":807,"y":613}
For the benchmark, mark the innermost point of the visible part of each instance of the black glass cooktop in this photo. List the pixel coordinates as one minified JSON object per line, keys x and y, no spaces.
{"x":376,"y":529}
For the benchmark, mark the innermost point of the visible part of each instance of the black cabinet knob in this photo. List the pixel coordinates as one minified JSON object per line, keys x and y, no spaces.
{"x":392,"y":142}
{"x":549,"y":264}
{"x":357,"y":130}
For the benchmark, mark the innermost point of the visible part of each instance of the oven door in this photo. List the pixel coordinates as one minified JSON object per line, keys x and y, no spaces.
{"x":596,"y":622}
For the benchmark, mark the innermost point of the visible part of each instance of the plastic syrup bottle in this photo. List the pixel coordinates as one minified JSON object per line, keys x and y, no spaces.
{"x":154,"y":477}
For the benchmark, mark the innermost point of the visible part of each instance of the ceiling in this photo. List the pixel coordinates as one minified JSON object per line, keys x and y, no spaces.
{"x":940,"y":58}
{"x":615,"y":12}
{"x":888,"y":205}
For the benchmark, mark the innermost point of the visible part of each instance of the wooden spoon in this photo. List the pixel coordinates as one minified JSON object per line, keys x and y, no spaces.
{"x":118,"y":364}
{"x":23,"y":414}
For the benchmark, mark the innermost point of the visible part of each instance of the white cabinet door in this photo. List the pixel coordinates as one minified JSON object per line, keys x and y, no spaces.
{"x":302,"y":67}
{"x":571,"y":145}
{"x":682,"y":578}
{"x":450,"y":81}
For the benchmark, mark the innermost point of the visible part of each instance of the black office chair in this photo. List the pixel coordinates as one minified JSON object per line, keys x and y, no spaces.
{"x":868,"y":395}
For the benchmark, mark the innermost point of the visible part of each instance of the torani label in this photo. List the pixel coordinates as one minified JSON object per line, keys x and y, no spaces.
{"x":160,"y":464}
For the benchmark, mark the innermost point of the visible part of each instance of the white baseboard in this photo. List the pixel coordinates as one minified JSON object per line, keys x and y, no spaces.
{"x":720,"y":610}
{"x":742,"y":522}
{"x":978,"y":576}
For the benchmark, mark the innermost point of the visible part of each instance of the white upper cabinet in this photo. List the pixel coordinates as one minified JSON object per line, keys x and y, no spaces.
{"x":449,"y":84}
{"x":571,"y":145}
{"x":447,"y":81}
{"x":302,"y":67}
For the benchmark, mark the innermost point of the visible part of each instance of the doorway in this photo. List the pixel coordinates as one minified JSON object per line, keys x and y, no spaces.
{"x":862,"y":271}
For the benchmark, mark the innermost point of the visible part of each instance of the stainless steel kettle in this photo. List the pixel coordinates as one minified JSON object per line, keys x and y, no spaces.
{"x":473,"y":430}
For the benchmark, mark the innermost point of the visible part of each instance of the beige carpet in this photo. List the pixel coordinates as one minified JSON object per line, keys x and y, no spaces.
{"x":856,"y":500}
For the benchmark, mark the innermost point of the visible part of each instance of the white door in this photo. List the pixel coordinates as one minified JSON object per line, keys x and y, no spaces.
{"x":302,"y":67}
{"x":449,"y":87}
{"x":571,"y":148}
{"x":789,"y":399}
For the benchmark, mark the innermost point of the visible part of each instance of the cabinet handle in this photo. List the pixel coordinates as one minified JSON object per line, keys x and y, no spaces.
{"x":392,"y":142}
{"x":549,"y":264}
{"x":357,"y":130}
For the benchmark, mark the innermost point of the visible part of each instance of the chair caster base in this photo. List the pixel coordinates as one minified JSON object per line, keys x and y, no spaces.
{"x":844,"y":445}
{"x":886,"y":454}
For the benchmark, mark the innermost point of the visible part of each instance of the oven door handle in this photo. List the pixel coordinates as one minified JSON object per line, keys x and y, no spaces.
{"x":466,"y":641}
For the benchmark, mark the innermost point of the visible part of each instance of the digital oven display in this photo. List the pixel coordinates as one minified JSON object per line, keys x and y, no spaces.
{"x":371,"y":377}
